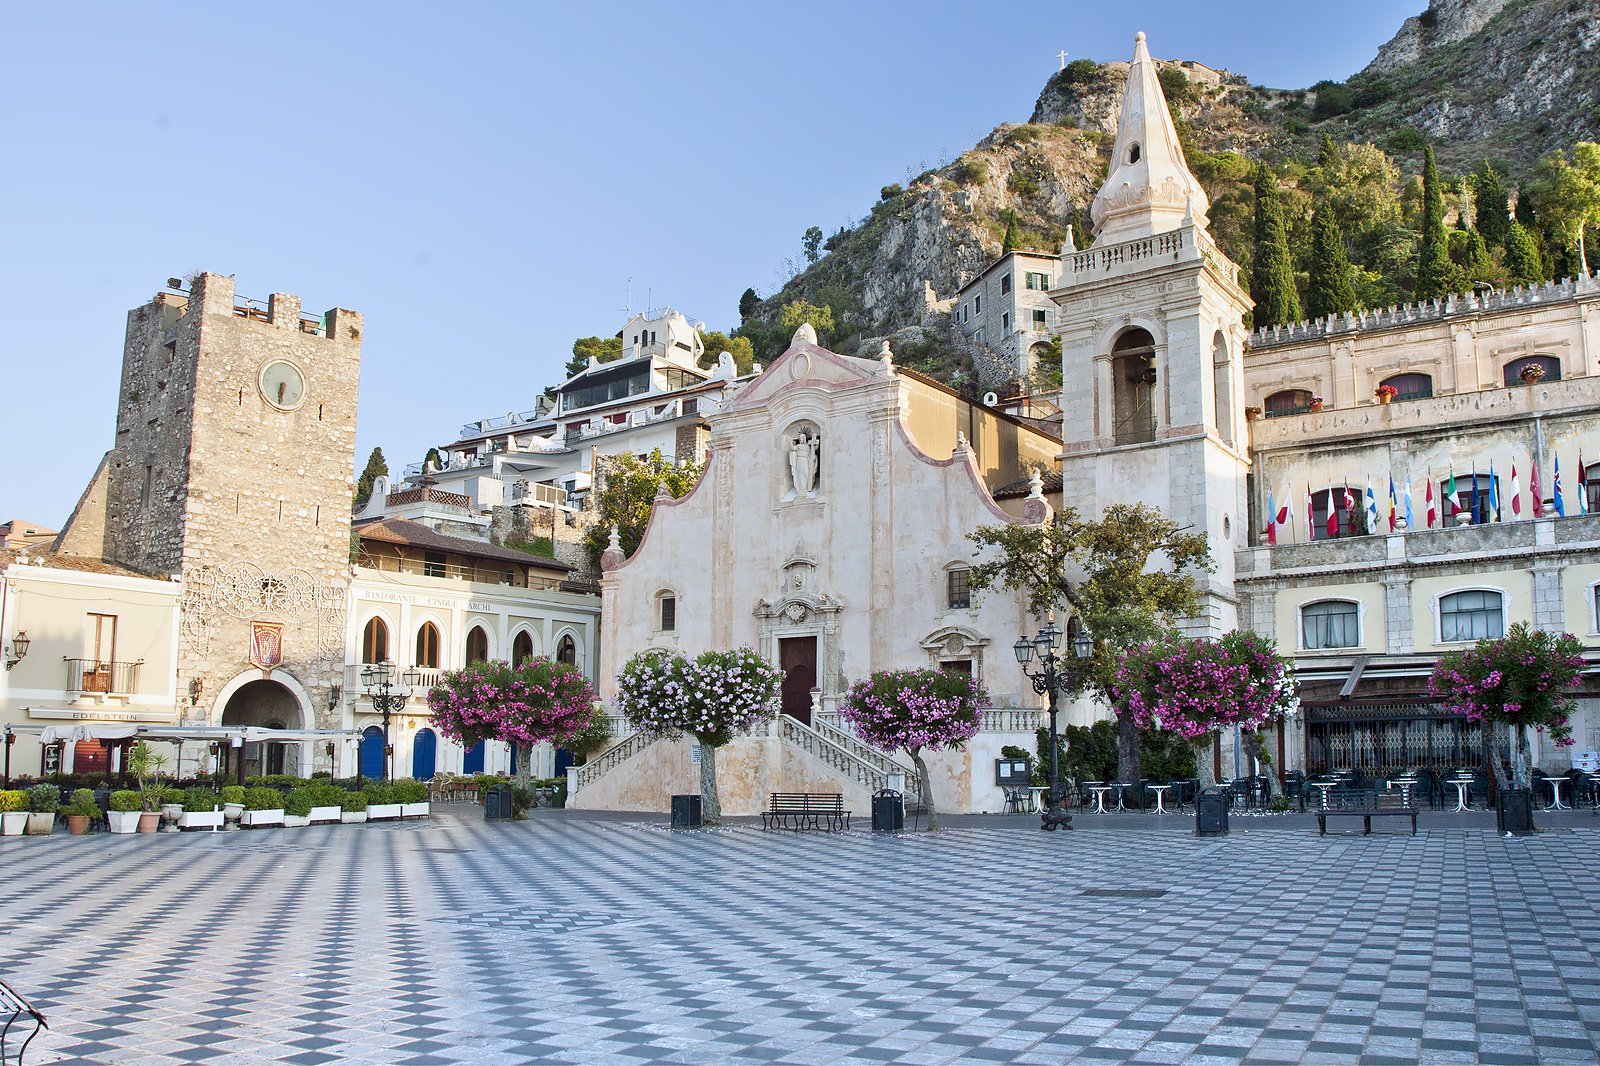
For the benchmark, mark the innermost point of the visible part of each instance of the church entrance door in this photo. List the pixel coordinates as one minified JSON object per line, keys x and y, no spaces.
{"x":797,"y":658}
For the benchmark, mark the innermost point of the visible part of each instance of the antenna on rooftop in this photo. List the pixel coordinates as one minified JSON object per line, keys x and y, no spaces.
{"x":627,"y":298}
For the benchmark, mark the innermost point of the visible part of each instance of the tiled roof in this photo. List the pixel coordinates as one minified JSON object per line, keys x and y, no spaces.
{"x":38,"y":557}
{"x":416,"y":535}
{"x":1019,"y":489}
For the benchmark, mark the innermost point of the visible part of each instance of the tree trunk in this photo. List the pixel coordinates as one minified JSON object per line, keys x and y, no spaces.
{"x":1255,"y":746}
{"x":925,"y":786}
{"x":524,"y":775}
{"x":1202,"y":761}
{"x":1128,"y":768}
{"x":710,"y":804}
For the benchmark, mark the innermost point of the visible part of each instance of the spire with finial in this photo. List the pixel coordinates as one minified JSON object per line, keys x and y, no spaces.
{"x":1149,"y":189}
{"x":885,"y":360}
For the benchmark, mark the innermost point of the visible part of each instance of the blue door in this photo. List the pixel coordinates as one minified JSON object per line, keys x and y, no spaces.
{"x":563,"y":760}
{"x":372,"y":752}
{"x":472,"y":762}
{"x":513,"y":748}
{"x":422,"y":751}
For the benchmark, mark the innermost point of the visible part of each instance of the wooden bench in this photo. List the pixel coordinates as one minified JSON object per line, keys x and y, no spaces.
{"x":806,"y":810}
{"x":1366,"y":805}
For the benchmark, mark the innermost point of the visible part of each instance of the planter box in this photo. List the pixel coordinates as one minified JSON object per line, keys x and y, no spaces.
{"x":123,"y":821}
{"x":41,"y":825}
{"x":415,"y":810}
{"x":352,"y":817}
{"x":325,"y":814}
{"x":13,"y":823}
{"x":149,"y":821}
{"x":377,"y":812}
{"x":296,"y":821}
{"x":200,"y":820}
{"x":260,"y":818}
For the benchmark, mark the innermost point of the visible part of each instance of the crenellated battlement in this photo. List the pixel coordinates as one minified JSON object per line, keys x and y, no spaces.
{"x":215,"y":294}
{"x":1461,"y":305}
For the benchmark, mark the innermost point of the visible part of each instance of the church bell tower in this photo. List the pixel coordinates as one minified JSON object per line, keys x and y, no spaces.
{"x":1152,"y":336}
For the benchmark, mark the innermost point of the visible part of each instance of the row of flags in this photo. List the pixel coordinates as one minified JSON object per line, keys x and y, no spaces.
{"x":1397,"y":505}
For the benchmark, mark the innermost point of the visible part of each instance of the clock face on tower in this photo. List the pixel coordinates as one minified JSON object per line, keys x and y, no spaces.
{"x":282,"y":385}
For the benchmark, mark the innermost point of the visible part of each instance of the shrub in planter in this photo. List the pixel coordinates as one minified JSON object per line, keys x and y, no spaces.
{"x":298,"y":803}
{"x":409,"y":791}
{"x":353,"y":801}
{"x":200,"y":800}
{"x":233,"y":793}
{"x":81,"y":812}
{"x":125,"y":801}
{"x":172,"y":795}
{"x":13,"y":812}
{"x":261,"y":798}
{"x":124,"y":814}
{"x":44,"y":799}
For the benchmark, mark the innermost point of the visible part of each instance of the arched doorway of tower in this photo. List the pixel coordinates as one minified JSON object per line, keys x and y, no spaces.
{"x":423,"y":748}
{"x":266,"y":704}
{"x":372,"y":753}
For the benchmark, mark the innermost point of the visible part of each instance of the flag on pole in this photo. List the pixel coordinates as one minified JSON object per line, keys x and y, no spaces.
{"x":1311,"y":517}
{"x":1272,"y":519}
{"x":1516,"y":492}
{"x":1286,"y":512}
{"x":1583,"y":487}
{"x":1560,"y":504}
{"x":1494,"y":494}
{"x":1535,"y":491}
{"x":1392,"y":509}
{"x":1333,"y":514}
{"x":1411,"y":522}
{"x":1433,"y":515}
{"x":1473,"y":499}
{"x":1451,"y":496}
{"x":1372,"y":509}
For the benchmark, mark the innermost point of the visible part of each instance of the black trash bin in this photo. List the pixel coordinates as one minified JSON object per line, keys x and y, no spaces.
{"x":497,"y":805}
{"x":687,"y":812}
{"x":888,"y":811}
{"x":1515,"y":811}
{"x":1211,"y":814}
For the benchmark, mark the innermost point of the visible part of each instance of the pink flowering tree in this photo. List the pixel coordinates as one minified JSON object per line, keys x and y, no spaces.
{"x":712,"y":697}
{"x":1522,"y":681}
{"x":1197,"y":687}
{"x":519,"y":705}
{"x":916,"y":710}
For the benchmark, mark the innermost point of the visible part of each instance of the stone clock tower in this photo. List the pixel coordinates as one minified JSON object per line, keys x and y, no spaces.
{"x":233,"y":467}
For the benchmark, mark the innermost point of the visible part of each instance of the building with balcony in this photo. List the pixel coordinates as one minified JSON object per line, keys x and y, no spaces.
{"x":1007,"y":308}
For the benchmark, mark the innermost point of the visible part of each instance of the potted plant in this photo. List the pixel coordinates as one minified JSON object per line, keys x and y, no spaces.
{"x":1385,"y":393}
{"x":297,"y":808}
{"x":171,"y":803}
{"x":262,"y":806}
{"x":1530,"y":373}
{"x":13,"y":812}
{"x":202,"y":809}
{"x":353,"y":808}
{"x":144,"y":764}
{"x":382,"y":801}
{"x":326,"y":801}
{"x":125,"y":812}
{"x":1252,"y":413}
{"x":232,"y":805}
{"x":43,"y":802}
{"x":413,"y":796}
{"x":80,"y":812}
{"x":1316,"y":403}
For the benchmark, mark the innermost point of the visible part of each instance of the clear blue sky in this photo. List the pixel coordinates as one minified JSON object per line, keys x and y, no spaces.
{"x":481,"y":181}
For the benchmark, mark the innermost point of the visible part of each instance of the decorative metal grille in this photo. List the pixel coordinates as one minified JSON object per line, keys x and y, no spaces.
{"x":1380,"y":738}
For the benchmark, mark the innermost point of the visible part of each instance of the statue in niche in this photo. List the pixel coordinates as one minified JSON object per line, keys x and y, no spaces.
{"x":803,"y":458}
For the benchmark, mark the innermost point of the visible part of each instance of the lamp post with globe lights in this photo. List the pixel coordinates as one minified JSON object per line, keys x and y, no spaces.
{"x":1056,"y":673}
{"x":387,"y":699}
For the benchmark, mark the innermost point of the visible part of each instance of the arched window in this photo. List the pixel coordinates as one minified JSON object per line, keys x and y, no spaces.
{"x":666,"y":612}
{"x":375,"y":642}
{"x":1530,"y":369}
{"x":1133,"y":384}
{"x":1476,"y":614}
{"x":567,"y":651}
{"x":1410,"y":386}
{"x":477,"y":645}
{"x":427,"y":647}
{"x":1330,"y":624}
{"x":958,"y":588}
{"x":1287,"y":402}
{"x":521,"y":648}
{"x":1222,"y":386}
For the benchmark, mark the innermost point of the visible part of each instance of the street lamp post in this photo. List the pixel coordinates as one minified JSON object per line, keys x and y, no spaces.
{"x":387,"y":698}
{"x":1055,"y":673}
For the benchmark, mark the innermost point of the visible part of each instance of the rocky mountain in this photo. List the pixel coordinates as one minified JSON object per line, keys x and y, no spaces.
{"x":1507,"y":80}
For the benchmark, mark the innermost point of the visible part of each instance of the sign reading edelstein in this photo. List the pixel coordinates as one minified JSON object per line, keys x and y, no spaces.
{"x":266,"y":645}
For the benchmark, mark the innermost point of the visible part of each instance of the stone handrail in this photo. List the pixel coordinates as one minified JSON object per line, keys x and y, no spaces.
{"x":995,"y":720}
{"x":841,"y":759}
{"x":611,"y":758}
{"x":1127,"y":252}
{"x":831,"y":730}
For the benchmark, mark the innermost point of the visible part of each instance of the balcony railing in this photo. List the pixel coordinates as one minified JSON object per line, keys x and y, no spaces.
{"x":102,"y":678}
{"x":486,"y":574}
{"x":354,"y":688}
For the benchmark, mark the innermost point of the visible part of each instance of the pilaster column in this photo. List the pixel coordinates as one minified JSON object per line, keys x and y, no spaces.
{"x":1397,"y":613}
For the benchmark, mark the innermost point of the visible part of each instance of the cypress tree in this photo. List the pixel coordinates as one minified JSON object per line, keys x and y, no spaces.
{"x":1328,"y":156}
{"x":1433,"y":265}
{"x":1494,"y":204}
{"x":1272,"y":272}
{"x":1332,"y":291}
{"x":376,"y":467}
{"x":1523,"y":265}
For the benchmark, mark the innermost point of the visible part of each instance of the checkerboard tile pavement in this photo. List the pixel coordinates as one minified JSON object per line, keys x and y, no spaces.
{"x":569,"y":939}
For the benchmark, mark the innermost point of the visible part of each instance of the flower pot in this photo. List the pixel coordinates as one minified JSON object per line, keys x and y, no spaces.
{"x":1385,"y":398}
{"x":149,"y":821}
{"x":1316,"y":408}
{"x":415,"y":810}
{"x":13,"y":823}
{"x":255,"y":819}
{"x":231,"y":813}
{"x":41,"y":825}
{"x":123,"y":821}
{"x":77,"y":824}
{"x":352,"y":817}
{"x":296,"y":821}
{"x":324,"y":814}
{"x":170,"y":813}
{"x":200,"y":820}
{"x":378,"y":812}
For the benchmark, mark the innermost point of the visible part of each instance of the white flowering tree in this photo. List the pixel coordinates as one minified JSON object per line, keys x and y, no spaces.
{"x":916,"y":710}
{"x":713,"y":698}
